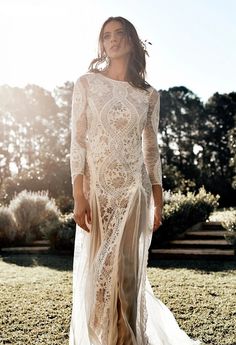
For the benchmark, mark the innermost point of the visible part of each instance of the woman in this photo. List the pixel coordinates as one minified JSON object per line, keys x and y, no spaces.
{"x":117,"y":190}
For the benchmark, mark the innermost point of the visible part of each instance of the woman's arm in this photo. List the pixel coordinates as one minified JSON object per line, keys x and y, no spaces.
{"x":152,"y":155}
{"x":78,"y":153}
{"x":157,"y":195}
{"x":78,"y":130}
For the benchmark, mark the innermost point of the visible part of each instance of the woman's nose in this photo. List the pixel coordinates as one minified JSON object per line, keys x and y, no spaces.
{"x":113,"y":38}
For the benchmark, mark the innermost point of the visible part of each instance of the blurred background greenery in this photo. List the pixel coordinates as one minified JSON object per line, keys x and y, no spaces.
{"x":197,"y":143}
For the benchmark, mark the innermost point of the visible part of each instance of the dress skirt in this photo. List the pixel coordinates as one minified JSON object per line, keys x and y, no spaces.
{"x":113,"y":302}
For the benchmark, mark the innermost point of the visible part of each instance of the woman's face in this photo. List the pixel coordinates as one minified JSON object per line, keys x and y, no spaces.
{"x":115,"y":41}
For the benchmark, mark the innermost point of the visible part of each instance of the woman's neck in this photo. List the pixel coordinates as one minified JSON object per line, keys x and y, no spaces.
{"x":117,"y":70}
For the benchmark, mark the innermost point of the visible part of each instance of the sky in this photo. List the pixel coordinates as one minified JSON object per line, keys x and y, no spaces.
{"x":50,"y":42}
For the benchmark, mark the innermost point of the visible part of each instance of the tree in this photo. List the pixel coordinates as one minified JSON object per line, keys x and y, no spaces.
{"x":216,"y":169}
{"x":180,"y":115}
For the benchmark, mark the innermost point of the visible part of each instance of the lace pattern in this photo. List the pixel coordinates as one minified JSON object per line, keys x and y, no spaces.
{"x":150,"y":142}
{"x":78,"y":130}
{"x":110,"y":123}
{"x":124,"y":117}
{"x":114,"y":145}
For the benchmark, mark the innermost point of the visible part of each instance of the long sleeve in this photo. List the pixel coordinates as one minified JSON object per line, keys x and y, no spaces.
{"x":150,"y":143}
{"x":78,"y":130}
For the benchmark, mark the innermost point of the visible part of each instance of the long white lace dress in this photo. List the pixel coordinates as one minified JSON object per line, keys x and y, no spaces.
{"x":114,"y":145}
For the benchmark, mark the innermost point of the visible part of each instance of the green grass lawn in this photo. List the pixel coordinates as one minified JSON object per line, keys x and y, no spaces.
{"x":36,"y":298}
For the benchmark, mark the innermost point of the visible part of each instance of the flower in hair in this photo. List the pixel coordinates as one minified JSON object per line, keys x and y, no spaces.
{"x":144,"y":45}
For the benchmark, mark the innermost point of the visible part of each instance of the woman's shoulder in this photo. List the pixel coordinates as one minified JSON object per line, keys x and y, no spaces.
{"x":84,"y":77}
{"x":153,"y":92}
{"x":152,"y":88}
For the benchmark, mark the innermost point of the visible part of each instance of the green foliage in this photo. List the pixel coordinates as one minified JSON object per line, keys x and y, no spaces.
{"x":197,"y":141}
{"x":182,"y":211}
{"x":62,"y":236}
{"x":54,"y":177}
{"x":215,"y":160}
{"x":33,"y":215}
{"x":232,"y":148}
{"x":65,"y":203}
{"x":8,"y":228}
{"x":34,"y":211}
{"x":175,"y":181}
{"x":222,"y":215}
{"x":66,"y":234}
{"x":229,"y":223}
{"x":35,"y":136}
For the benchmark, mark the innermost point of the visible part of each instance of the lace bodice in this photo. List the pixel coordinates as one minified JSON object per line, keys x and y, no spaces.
{"x":111,"y":115}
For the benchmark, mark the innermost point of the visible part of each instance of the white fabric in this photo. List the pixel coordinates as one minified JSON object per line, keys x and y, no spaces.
{"x":114,"y":145}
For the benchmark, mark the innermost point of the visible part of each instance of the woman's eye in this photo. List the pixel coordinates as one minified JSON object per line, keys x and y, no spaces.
{"x":121,"y":33}
{"x":105,"y":37}
{"x":118,"y":33}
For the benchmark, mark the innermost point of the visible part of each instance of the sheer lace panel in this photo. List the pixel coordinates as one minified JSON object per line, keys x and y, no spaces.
{"x":78,"y":130}
{"x":150,"y":143}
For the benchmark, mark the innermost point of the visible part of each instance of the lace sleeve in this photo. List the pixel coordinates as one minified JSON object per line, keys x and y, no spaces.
{"x":150,"y":144}
{"x":78,"y":130}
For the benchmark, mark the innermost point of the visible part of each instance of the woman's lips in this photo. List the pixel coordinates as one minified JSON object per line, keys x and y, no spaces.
{"x":114,"y":48}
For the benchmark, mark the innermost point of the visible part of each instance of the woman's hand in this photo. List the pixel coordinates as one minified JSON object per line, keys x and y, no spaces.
{"x":157,"y":217}
{"x":82,"y":210}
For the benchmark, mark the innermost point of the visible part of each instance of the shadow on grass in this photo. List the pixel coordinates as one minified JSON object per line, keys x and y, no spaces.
{"x":58,"y":262}
{"x":65,"y":262}
{"x":198,"y":265}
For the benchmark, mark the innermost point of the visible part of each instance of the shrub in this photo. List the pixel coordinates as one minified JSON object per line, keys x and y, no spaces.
{"x":34,"y":211}
{"x":63,"y":236}
{"x":229,"y":223}
{"x":7,"y":226}
{"x":65,"y":204}
{"x":174,"y":180}
{"x":223,"y":214}
{"x":181,"y":211}
{"x":66,"y":234}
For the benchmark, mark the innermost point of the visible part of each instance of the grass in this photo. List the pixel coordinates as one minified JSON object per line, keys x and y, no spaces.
{"x":201,"y":294}
{"x":36,"y":298}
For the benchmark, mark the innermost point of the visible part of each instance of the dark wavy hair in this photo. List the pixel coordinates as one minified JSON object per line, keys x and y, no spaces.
{"x":136,"y":70}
